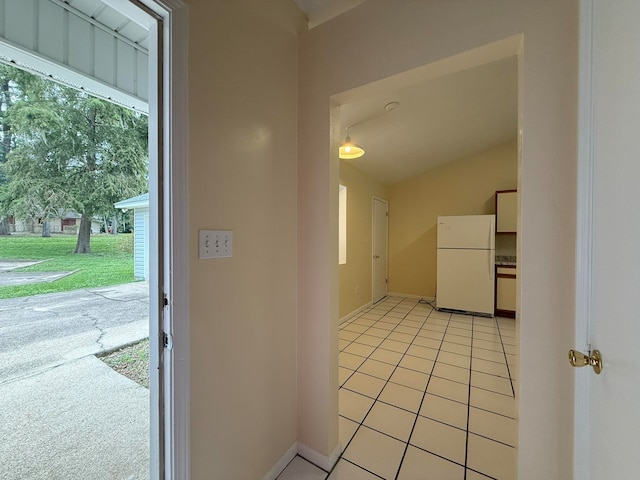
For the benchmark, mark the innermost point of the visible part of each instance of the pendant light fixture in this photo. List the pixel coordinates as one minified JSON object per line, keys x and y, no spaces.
{"x":349,"y":150}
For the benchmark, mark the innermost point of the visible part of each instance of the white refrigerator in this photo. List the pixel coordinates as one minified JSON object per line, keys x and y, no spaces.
{"x":466,"y":264}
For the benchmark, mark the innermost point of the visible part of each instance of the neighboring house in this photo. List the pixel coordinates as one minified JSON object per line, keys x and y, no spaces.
{"x":70,"y":223}
{"x":140,"y":206}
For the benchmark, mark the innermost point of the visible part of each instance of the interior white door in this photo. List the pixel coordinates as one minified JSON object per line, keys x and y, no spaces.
{"x":379,"y":248}
{"x":607,"y":438}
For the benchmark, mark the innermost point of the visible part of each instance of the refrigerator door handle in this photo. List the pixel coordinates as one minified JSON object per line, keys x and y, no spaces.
{"x":491,"y":244}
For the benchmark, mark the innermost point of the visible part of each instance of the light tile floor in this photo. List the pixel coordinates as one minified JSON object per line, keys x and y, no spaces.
{"x":423,"y":395}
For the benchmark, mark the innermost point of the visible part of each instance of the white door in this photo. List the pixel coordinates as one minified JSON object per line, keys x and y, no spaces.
{"x":379,"y":248}
{"x":607,"y":437}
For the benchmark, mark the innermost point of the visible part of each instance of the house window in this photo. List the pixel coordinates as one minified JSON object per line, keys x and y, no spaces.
{"x":342,"y":225}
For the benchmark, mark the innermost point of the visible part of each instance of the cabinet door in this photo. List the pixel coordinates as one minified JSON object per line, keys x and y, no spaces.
{"x":506,"y":294}
{"x":506,"y":212}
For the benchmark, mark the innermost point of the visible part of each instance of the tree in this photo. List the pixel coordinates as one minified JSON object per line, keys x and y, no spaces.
{"x":73,"y":152}
{"x":6,"y":136}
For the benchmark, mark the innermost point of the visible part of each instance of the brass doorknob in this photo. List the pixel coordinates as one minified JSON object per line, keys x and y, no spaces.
{"x":579,"y":359}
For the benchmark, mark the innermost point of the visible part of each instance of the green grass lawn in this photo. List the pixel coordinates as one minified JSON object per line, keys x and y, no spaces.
{"x":109,"y":263}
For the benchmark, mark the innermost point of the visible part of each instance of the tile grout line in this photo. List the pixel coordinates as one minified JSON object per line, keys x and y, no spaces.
{"x":466,"y":444}
{"x":365,"y":359}
{"x":506,"y":360}
{"x":419,"y":371}
{"x":415,"y":421}
{"x":423,"y":324}
{"x":368,"y":357}
{"x":361,"y":423}
{"x":360,"y":466}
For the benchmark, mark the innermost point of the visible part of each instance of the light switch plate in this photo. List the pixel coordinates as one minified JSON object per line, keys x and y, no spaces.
{"x":215,"y":243}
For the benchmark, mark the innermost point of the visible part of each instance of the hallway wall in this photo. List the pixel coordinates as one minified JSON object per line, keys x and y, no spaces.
{"x":243,"y":117}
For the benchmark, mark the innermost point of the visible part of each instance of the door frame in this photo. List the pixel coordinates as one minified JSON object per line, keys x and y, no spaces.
{"x":169,"y":72}
{"x":373,"y":237}
{"x":169,"y":208}
{"x":584,"y":239}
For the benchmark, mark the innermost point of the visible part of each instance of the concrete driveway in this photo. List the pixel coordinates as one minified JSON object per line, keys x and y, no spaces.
{"x":64,"y":414}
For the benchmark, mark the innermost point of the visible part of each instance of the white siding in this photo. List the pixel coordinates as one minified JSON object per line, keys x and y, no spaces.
{"x":140,"y":244}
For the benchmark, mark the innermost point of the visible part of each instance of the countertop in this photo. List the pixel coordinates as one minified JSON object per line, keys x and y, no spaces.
{"x":505,"y":261}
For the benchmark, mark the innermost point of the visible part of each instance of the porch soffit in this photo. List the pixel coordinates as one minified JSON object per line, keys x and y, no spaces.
{"x":85,"y":44}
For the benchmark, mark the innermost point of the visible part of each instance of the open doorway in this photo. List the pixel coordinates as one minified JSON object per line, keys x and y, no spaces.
{"x":408,"y":372}
{"x":167,"y":172}
{"x":71,"y":302}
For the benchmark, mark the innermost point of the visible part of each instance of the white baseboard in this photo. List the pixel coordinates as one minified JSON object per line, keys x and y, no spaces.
{"x":355,"y":312}
{"x":408,"y":295}
{"x":370,"y":304}
{"x":309,"y":454}
{"x":282,"y":463}
{"x":322,"y":461}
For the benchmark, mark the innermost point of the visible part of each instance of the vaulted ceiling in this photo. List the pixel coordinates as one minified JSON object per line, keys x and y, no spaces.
{"x":438,"y":120}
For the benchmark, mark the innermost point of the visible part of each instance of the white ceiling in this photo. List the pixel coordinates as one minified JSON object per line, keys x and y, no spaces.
{"x":438,"y":120}
{"x":319,"y":11}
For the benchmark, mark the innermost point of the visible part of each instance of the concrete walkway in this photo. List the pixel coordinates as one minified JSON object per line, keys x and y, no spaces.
{"x":64,"y":414}
{"x":10,"y":278}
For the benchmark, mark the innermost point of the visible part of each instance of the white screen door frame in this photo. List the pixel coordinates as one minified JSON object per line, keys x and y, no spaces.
{"x":168,"y":203}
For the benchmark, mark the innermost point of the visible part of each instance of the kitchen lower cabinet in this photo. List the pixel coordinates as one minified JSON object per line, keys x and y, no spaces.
{"x":505,"y":297}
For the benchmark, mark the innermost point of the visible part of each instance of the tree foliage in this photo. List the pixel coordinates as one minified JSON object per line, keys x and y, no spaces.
{"x":5,"y":135}
{"x":71,"y":152}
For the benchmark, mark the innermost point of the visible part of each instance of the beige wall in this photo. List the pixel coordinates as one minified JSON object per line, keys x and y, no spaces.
{"x":463,"y":187}
{"x":242,"y":115}
{"x":355,"y":275}
{"x":379,"y":39}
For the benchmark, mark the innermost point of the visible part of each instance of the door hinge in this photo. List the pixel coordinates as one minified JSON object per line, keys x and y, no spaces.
{"x":167,"y":340}
{"x":386,"y":280}
{"x":165,"y":301}
{"x":386,"y":214}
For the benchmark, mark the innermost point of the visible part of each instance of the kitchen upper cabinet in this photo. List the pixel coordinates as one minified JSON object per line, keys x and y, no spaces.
{"x":506,"y":211}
